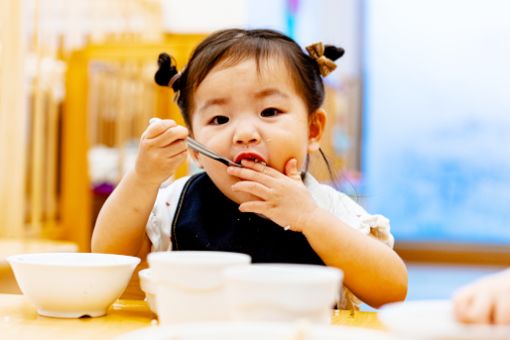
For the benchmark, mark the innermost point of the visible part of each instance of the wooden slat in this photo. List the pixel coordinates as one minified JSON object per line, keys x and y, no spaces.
{"x":37,"y":147}
{"x":12,"y":119}
{"x":454,"y":253}
{"x":75,"y":205}
{"x":50,"y":192}
{"x":76,"y":199}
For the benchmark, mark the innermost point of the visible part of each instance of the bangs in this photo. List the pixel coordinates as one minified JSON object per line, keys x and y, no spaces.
{"x":238,"y":50}
{"x":230,"y":47}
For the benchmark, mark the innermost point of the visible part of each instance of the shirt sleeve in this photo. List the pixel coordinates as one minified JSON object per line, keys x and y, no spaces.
{"x":351,"y":212}
{"x":356,"y":217}
{"x":159,"y":224}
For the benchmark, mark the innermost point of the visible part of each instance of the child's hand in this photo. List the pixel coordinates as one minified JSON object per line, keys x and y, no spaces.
{"x":283,"y":198}
{"x":484,"y":301}
{"x":162,"y":150}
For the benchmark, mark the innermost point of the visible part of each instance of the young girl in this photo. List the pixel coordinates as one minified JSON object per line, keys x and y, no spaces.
{"x":255,"y":97}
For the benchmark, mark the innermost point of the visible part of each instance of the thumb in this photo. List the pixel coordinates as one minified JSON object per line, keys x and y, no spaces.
{"x":291,"y":169}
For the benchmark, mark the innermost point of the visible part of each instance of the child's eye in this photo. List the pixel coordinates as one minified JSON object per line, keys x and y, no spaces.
{"x":219,"y":120}
{"x":270,"y":112}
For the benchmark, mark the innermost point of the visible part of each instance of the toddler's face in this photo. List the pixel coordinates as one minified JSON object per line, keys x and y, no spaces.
{"x":241,"y":113}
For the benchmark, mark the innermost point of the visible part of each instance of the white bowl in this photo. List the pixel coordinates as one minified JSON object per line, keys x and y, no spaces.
{"x":282,"y":292}
{"x":149,"y":287}
{"x":190,"y":285}
{"x":71,"y":285}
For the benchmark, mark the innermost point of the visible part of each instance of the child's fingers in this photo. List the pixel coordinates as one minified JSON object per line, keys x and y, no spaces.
{"x":177,"y":157}
{"x":249,"y":174}
{"x":260,"y":167}
{"x":170,"y":136}
{"x":291,"y":169}
{"x":174,"y":149}
{"x":157,"y":127}
{"x":461,"y":304}
{"x":154,"y":120}
{"x":253,"y":188}
{"x":257,"y":207}
{"x":480,"y":310}
{"x":502,"y":311}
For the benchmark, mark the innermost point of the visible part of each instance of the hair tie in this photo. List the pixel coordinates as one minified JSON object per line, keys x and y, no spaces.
{"x":326,"y":65}
{"x":174,"y":78}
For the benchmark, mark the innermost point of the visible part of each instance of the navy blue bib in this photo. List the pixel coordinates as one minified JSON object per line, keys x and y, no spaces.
{"x":206,"y":219}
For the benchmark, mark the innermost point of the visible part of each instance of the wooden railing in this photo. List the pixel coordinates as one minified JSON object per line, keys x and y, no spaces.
{"x":78,"y":129}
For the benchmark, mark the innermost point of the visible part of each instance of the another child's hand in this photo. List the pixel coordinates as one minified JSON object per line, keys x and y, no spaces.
{"x":484,"y":301}
{"x":283,"y":198}
{"x":162,"y":150}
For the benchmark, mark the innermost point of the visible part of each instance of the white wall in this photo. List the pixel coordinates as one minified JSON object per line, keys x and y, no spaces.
{"x":331,"y":21}
{"x":334,"y":22}
{"x":200,"y":16}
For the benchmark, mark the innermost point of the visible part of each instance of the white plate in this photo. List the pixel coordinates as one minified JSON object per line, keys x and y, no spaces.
{"x":254,"y":331}
{"x":433,"y":319}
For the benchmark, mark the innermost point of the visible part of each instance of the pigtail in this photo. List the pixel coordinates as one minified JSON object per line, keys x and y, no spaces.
{"x":333,"y":53}
{"x":167,"y":74}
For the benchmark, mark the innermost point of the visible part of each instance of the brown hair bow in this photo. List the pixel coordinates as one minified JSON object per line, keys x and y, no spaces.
{"x":326,"y":65}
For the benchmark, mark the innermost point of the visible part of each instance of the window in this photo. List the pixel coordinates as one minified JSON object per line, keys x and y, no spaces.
{"x":437,"y":118}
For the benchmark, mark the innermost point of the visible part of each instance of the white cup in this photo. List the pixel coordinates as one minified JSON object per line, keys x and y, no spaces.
{"x":282,"y":292}
{"x":190,"y":285}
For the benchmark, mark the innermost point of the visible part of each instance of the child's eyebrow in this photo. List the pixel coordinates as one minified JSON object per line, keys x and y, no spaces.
{"x":212,"y":102}
{"x":270,"y":92}
{"x":259,"y":94}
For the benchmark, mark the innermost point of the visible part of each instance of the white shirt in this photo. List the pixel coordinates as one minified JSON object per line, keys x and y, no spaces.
{"x":326,"y":197}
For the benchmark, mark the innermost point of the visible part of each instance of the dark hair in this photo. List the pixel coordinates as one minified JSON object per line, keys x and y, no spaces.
{"x":234,"y":45}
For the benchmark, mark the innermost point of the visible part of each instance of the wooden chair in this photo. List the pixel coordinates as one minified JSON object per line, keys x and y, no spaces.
{"x":76,"y":196}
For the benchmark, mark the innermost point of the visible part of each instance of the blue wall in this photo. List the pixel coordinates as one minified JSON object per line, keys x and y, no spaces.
{"x":437,"y":118}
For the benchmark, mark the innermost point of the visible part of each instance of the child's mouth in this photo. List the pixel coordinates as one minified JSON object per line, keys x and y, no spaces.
{"x":251,"y":156}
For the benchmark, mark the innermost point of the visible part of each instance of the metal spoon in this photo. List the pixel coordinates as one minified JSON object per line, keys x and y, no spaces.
{"x":211,"y":154}
{"x":203,"y":150}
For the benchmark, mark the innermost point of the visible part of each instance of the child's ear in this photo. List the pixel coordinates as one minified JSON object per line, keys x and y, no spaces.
{"x":316,"y":128}
{"x":194,"y":154}
{"x":194,"y":157}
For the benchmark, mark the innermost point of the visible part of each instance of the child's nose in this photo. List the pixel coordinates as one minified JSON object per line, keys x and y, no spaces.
{"x":246,"y":134}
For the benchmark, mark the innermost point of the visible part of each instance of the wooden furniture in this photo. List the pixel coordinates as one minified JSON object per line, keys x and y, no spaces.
{"x":13,"y":120}
{"x":18,"y":319}
{"x":76,"y":199}
{"x":454,"y":253}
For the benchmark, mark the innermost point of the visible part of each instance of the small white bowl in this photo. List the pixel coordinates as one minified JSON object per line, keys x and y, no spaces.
{"x":190,"y":285}
{"x":149,"y":287}
{"x":72,"y":285}
{"x":282,"y":292}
